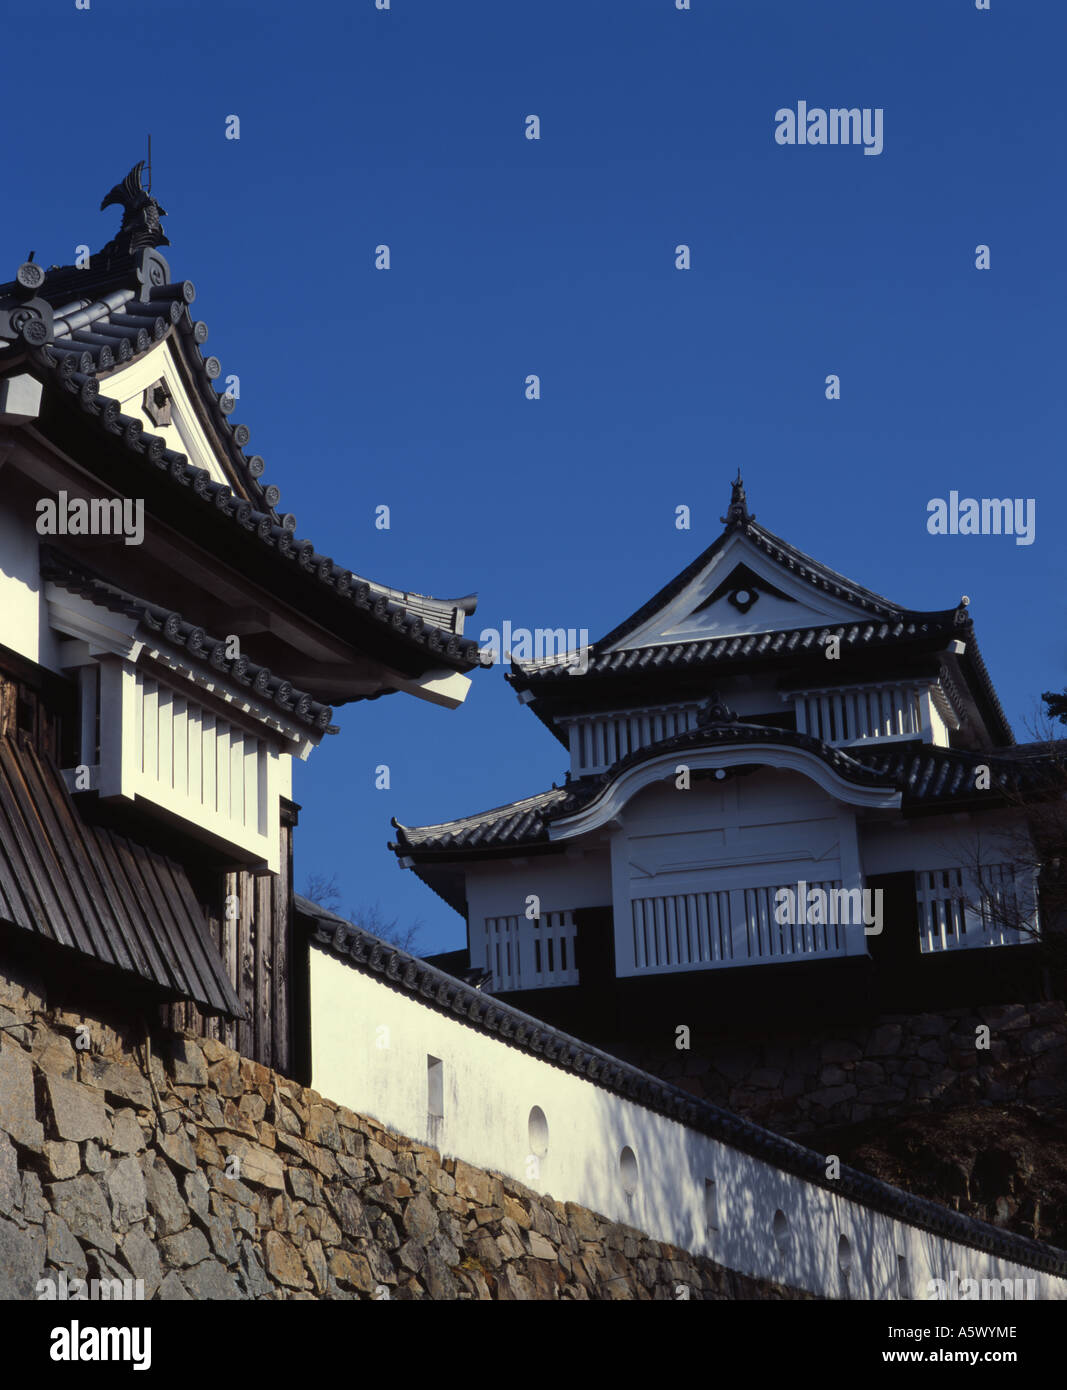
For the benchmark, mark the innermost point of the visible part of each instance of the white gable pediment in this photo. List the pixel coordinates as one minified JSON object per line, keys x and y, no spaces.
{"x":184,"y":433}
{"x":739,"y":591}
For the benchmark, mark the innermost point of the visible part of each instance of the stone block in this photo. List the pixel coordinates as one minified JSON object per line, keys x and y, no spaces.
{"x":53,"y":1055}
{"x":283,"y":1261}
{"x":62,"y":1159}
{"x":832,"y":1095}
{"x":351,"y":1270}
{"x":350,"y":1212}
{"x":172,"y":1290}
{"x":582,"y":1222}
{"x":1005,"y":1018}
{"x":82,"y":1205}
{"x":127,"y":1136}
{"x":33,"y":1205}
{"x":141,"y":1255}
{"x":252,"y":1106}
{"x":116,"y":1079}
{"x":473,"y":1185}
{"x":322,"y":1127}
{"x":62,"y":1249}
{"x":259,"y":1166}
{"x":188,"y":1247}
{"x":18,"y":1110}
{"x":440,"y":1284}
{"x":179,"y":1149}
{"x":303,"y":1186}
{"x":420,"y":1219}
{"x":1043,"y":1040}
{"x":210,"y":1280}
{"x":94,"y":1158}
{"x":885,"y":1040}
{"x":188,"y":1065}
{"x":163,"y":1198}
{"x":315,"y":1260}
{"x":10,"y":1183}
{"x":516,"y":1211}
{"x":881,"y":1095}
{"x":251,"y":1272}
{"x":126,"y":1189}
{"x":22,"y":1257}
{"x":539,"y":1247}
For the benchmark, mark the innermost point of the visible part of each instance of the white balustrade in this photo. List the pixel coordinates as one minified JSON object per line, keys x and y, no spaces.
{"x":523,"y":953}
{"x":988,"y":906}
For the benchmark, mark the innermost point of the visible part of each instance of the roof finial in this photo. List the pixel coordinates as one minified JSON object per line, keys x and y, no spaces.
{"x":140,"y":215}
{"x":737,"y":514}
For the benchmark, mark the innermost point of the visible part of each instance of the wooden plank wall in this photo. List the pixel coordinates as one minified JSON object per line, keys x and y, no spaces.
{"x":256,"y":945}
{"x":23,"y":710}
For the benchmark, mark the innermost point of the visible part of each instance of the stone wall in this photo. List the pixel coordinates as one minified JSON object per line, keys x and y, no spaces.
{"x":172,"y":1160}
{"x":892,"y":1066}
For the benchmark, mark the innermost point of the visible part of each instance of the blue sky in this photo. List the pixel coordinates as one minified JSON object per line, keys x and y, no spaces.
{"x":556,"y":257}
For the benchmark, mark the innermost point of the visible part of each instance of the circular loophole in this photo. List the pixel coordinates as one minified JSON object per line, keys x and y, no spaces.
{"x":628,"y":1170}
{"x":844,"y":1255}
{"x":781,"y":1230}
{"x":742,"y":596}
{"x":538,"y":1132}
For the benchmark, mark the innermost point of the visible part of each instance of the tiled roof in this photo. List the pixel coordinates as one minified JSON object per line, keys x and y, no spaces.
{"x":888,"y":627}
{"x":522,"y":822}
{"x":435,"y":989}
{"x":805,"y":567}
{"x":745,"y":650}
{"x":926,"y":775}
{"x":525,"y":822}
{"x":71,"y":327}
{"x":91,"y":890}
{"x":198,"y":648}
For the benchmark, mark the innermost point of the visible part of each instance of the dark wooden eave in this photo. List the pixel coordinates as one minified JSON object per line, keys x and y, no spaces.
{"x":73,"y":327}
{"x":211,"y":517}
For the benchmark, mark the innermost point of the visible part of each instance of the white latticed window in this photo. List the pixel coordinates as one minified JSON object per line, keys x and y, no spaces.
{"x":143,"y":738}
{"x":682,"y":929}
{"x":531,"y":954}
{"x":989,"y":907}
{"x":737,"y":927}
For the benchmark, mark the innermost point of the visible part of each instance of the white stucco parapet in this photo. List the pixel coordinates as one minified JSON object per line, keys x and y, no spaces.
{"x":433,"y":1058}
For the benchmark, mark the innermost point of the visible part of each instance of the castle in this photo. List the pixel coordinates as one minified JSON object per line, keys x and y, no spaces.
{"x":212,"y":1088}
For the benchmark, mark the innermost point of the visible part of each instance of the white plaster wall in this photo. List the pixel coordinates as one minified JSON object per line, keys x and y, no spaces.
{"x":23,"y":613}
{"x":939,"y":842}
{"x":127,"y":384}
{"x":490,"y":1088}
{"x":756,"y":824}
